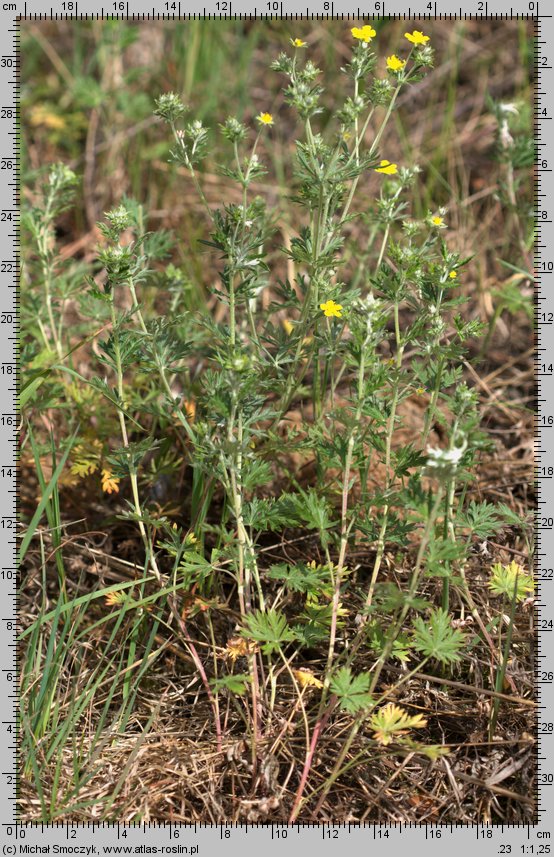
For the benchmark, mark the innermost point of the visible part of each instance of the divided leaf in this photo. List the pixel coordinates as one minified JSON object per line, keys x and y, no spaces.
{"x":352,"y":690}
{"x":270,"y":629}
{"x":436,"y":638}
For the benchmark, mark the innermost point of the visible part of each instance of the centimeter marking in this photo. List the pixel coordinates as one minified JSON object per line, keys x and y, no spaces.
{"x":123,"y":13}
{"x":174,"y":828}
{"x":10,"y":377}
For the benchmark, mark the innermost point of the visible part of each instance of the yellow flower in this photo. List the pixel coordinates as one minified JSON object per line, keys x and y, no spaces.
{"x":265,"y":119}
{"x":114,"y":598}
{"x":453,"y":275}
{"x":289,"y":327}
{"x":364,"y":34}
{"x":189,"y":407}
{"x":395,"y":64}
{"x":110,"y":483}
{"x":190,"y":539}
{"x":420,"y":391}
{"x":437,"y":221}
{"x":42,"y":116}
{"x":331,"y":309}
{"x":416,"y":38}
{"x":298,"y":43}
{"x":238,"y":647}
{"x":387,"y":168}
{"x":306,"y":678}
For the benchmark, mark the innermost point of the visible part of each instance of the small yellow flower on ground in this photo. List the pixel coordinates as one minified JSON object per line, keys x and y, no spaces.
{"x":453,"y":275}
{"x":387,"y":168}
{"x":364,"y":34}
{"x":416,"y":38}
{"x":265,"y":119}
{"x":437,"y":221}
{"x":331,"y":309}
{"x":394,"y":63}
{"x":420,"y":391}
{"x":298,"y":43}
{"x":306,"y":678}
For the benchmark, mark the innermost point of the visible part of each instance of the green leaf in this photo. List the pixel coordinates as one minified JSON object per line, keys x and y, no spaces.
{"x":237,"y":684}
{"x":512,"y":519}
{"x":437,"y":639}
{"x":268,"y":513}
{"x":31,"y":529}
{"x":352,"y":690}
{"x":512,"y":581}
{"x":314,"y":510}
{"x":300,"y":578}
{"x":270,"y":629}
{"x":311,"y":634}
{"x":481,"y":518}
{"x":29,"y":389}
{"x":377,"y":640}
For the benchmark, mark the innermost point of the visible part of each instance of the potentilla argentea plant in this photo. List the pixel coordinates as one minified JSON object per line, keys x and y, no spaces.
{"x":315,"y":368}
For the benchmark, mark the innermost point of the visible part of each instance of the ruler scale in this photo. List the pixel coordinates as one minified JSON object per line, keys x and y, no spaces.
{"x":20,"y":837}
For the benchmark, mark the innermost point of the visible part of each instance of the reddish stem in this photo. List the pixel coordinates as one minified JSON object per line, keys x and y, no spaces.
{"x":200,"y":667}
{"x":320,"y":725}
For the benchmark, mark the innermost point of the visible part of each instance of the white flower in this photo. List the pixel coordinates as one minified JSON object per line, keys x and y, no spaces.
{"x":506,"y":139}
{"x":437,"y":456}
{"x":441,"y":463}
{"x":509,"y":107}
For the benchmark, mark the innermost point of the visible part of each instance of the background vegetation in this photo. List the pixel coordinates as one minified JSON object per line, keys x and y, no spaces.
{"x":115,"y":721}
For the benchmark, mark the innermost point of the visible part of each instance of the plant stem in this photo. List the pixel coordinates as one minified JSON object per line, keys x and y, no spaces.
{"x":163,"y":375}
{"x":501,"y":672}
{"x":125,"y":439}
{"x":337,"y":767}
{"x":388,"y":456}
{"x":345,"y":527}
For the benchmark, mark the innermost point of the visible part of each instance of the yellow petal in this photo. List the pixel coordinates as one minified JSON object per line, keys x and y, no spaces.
{"x":306,"y":678}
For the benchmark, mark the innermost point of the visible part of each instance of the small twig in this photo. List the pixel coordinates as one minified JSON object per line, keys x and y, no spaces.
{"x":516,"y":700}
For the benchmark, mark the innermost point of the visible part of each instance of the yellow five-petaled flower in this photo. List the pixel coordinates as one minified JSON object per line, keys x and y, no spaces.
{"x":298,"y":43}
{"x":331,"y":309}
{"x":265,"y":119}
{"x":364,"y":34}
{"x":437,"y":221}
{"x":395,"y":64}
{"x":453,"y":275}
{"x":387,"y":168}
{"x":416,"y":38}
